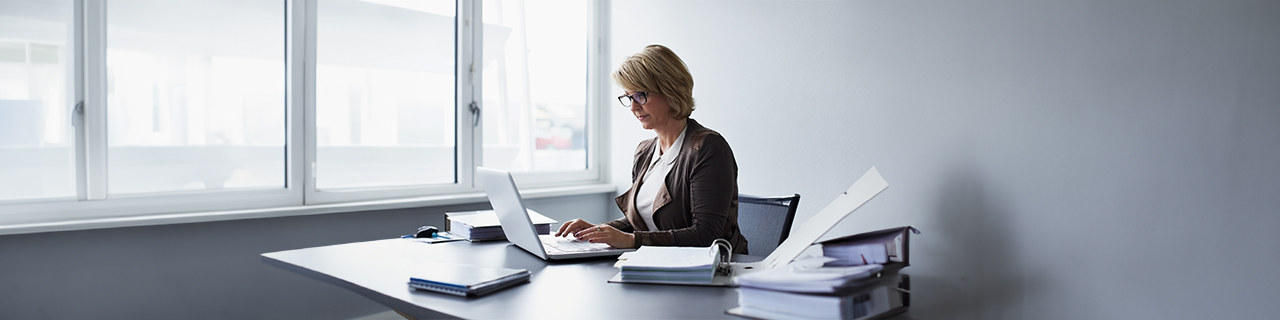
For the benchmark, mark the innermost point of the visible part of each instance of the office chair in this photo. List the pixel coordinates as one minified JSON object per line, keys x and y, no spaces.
{"x":766,"y":221}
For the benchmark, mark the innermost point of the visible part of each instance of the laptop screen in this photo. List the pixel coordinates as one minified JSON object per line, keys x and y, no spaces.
{"x":508,"y":205}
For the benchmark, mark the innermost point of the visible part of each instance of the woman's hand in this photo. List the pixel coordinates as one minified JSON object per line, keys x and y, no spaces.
{"x":603,"y":233}
{"x":572,"y":227}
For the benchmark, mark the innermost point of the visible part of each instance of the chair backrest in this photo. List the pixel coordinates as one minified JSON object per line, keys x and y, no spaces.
{"x":766,"y":221}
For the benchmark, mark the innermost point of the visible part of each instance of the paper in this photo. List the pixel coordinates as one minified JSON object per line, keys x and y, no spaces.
{"x":488,"y":218}
{"x":653,"y":257}
{"x":693,"y":265}
{"x":443,"y":236}
{"x":868,"y":301}
{"x":821,"y":280}
{"x":801,"y":238}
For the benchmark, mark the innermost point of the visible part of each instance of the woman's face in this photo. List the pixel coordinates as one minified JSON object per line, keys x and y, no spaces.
{"x":654,"y":113}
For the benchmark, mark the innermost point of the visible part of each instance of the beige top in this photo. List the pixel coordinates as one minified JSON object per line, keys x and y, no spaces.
{"x":658,"y":169}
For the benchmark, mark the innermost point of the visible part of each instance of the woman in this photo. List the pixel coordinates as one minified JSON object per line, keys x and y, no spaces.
{"x":684,"y":182}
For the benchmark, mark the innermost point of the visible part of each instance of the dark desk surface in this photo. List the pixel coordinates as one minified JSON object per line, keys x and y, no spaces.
{"x":577,"y":288}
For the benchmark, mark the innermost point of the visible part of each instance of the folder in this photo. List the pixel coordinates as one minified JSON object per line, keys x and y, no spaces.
{"x":674,"y":265}
{"x":888,"y":246}
{"x":464,"y":280}
{"x":884,"y":297}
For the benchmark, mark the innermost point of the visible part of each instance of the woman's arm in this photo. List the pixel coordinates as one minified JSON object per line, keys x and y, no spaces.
{"x":622,"y":224}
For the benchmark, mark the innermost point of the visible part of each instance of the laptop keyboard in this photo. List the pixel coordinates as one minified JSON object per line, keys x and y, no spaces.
{"x":569,"y":244}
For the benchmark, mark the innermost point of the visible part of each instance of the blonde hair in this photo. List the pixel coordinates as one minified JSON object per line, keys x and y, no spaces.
{"x":657,"y":69}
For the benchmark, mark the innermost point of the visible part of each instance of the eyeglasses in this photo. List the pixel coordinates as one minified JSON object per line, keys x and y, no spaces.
{"x":639,"y":96}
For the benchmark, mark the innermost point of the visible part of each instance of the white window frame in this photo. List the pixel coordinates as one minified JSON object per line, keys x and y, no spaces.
{"x":466,"y":9}
{"x":92,"y":208}
{"x":598,"y":85}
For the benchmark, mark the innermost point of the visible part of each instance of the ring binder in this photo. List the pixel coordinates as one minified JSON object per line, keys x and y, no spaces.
{"x":725,"y":253}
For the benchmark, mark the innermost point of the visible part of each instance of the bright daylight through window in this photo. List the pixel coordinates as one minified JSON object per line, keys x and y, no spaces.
{"x":535,"y":102}
{"x":384,"y":93}
{"x":195,"y":95}
{"x":36,"y":83}
{"x":240,"y":105}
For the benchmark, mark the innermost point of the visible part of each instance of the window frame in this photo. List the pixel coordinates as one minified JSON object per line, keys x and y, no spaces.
{"x":299,"y":194}
{"x":597,"y":118}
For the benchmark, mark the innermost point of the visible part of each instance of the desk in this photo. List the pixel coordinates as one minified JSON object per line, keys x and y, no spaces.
{"x":577,"y":288}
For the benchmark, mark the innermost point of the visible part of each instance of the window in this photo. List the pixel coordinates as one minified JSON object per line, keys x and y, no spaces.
{"x":36,"y":90}
{"x":385,"y":93}
{"x":195,"y":95}
{"x":129,"y":108}
{"x":535,"y":85}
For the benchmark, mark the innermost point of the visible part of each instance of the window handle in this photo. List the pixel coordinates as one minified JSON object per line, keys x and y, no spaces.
{"x":475,"y":114}
{"x":76,"y":112}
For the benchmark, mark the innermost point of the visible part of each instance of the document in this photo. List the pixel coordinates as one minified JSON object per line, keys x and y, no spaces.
{"x":820,"y":280}
{"x":867,"y":187}
{"x":483,"y":225}
{"x":676,"y":265}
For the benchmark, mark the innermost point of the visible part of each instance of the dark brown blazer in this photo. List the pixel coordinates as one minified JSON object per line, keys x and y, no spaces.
{"x":698,"y":202}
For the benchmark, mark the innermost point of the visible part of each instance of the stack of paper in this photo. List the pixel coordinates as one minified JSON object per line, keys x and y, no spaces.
{"x":855,"y":278}
{"x":670,"y":264}
{"x":820,"y":280}
{"x":767,"y":304}
{"x":483,"y":225}
{"x":840,"y":293}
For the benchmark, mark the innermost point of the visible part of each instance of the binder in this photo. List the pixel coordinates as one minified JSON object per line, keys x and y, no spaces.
{"x":828,"y":280}
{"x":464,"y":280}
{"x":887,"y":295}
{"x":893,"y":243}
{"x":675,"y":265}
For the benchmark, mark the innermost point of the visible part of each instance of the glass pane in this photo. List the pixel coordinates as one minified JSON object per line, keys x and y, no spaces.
{"x":195,"y":95}
{"x":36,"y":95}
{"x":535,"y":84}
{"x":385,"y":89}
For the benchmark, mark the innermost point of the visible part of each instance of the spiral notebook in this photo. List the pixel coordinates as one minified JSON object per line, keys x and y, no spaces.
{"x":464,"y":280}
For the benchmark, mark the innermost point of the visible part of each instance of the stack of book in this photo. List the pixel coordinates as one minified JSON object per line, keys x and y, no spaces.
{"x":483,"y":225}
{"x":854,"y":283}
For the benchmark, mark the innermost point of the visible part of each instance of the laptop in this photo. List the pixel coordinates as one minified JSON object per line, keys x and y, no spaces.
{"x":506,"y":201}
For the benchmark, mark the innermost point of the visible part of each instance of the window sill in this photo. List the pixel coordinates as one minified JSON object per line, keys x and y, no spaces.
{"x":193,"y":217}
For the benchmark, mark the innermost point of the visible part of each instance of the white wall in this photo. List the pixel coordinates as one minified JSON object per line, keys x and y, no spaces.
{"x":1064,"y":159}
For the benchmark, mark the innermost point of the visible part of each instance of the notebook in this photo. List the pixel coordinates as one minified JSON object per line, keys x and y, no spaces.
{"x":509,"y":206}
{"x":464,"y":280}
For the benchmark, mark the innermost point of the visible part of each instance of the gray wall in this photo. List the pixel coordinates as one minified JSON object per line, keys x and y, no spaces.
{"x":209,"y":270}
{"x":1064,"y":159}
